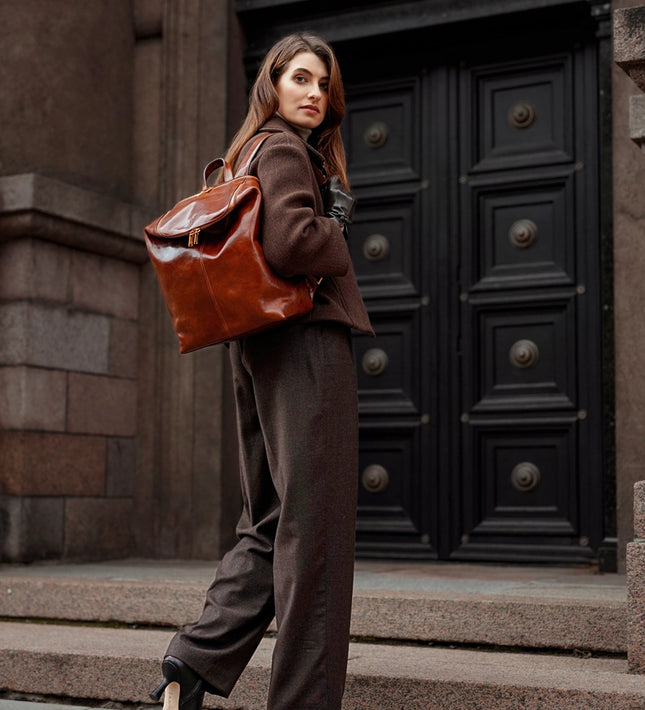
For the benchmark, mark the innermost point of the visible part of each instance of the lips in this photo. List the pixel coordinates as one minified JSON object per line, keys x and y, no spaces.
{"x":311,"y":108}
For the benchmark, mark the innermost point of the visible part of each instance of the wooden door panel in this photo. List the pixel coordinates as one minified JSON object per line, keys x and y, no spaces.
{"x":522,"y":230}
{"x":521,"y":112}
{"x":381,"y":132}
{"x":385,"y":239}
{"x":392,"y":513}
{"x":524,"y":498}
{"x":524,"y":355}
{"x":388,"y":365}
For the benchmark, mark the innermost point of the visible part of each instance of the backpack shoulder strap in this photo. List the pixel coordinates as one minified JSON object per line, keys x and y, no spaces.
{"x":228,"y":172}
{"x":255,"y":146}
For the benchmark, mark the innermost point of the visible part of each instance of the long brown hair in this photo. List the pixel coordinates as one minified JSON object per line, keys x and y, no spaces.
{"x":263,"y":100}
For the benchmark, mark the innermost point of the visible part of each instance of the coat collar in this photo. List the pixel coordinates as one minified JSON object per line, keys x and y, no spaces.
{"x":278,"y":124}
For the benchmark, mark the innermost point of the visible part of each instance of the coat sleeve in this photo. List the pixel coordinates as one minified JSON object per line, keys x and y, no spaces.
{"x":296,"y":239}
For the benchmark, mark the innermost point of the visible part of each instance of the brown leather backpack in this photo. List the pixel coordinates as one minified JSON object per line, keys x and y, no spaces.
{"x":210,"y":264}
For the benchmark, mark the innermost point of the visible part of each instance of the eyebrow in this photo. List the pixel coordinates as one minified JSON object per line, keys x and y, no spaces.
{"x":306,"y":71}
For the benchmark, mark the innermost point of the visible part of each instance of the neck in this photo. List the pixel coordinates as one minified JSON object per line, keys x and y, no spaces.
{"x":304,"y":133}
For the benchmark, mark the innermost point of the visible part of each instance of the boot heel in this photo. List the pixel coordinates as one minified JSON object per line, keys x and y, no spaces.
{"x":158,"y":691}
{"x":181,"y":686}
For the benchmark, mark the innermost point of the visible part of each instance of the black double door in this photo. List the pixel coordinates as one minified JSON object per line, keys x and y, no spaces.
{"x":476,"y":245}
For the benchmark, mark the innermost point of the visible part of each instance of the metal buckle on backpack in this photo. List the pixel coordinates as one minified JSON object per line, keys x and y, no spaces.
{"x":193,"y":237}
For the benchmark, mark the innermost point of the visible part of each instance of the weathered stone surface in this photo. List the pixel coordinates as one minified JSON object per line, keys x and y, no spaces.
{"x":103,"y":285}
{"x":33,"y":269}
{"x":123,"y":348}
{"x":636,"y":605}
{"x":121,"y":467}
{"x":123,"y":665}
{"x":629,"y":42}
{"x":102,"y":405}
{"x":31,"y":528}
{"x":43,"y":464}
{"x":32,"y":398}
{"x":639,"y":510}
{"x":50,"y":336}
{"x":637,"y":118}
{"x":98,"y":528}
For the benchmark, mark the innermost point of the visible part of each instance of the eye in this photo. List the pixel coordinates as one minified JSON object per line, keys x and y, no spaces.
{"x":300,"y":79}
{"x":324,"y":86}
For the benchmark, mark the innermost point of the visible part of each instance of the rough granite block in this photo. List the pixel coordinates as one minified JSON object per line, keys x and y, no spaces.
{"x":53,"y":337}
{"x":123,"y":348}
{"x":98,"y":528}
{"x":102,"y":405}
{"x":32,"y":398}
{"x":636,"y":605}
{"x":629,"y":42}
{"x":34,"y":269}
{"x":639,"y":510}
{"x":42,"y":464}
{"x":121,"y":467}
{"x":105,"y":285}
{"x":30,"y":528}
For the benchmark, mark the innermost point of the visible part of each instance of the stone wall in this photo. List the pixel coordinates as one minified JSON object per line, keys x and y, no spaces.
{"x":110,"y":443}
{"x":629,"y":267}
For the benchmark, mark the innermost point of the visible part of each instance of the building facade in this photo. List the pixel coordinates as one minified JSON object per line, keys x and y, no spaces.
{"x":496,"y":242}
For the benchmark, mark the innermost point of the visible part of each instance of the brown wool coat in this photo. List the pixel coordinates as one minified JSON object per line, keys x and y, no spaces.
{"x":296,"y":236}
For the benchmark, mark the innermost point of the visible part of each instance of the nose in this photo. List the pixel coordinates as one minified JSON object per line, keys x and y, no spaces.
{"x":314,"y":91}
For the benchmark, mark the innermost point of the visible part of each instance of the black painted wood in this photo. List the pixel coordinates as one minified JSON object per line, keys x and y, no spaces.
{"x":473,"y":148}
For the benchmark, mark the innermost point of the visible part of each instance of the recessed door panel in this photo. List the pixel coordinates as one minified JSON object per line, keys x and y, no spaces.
{"x":522,"y":230}
{"x":525,"y":353}
{"x":385,"y":240}
{"x":382,"y":132}
{"x":522,"y":113}
{"x":388,"y":368}
{"x":392,"y":516}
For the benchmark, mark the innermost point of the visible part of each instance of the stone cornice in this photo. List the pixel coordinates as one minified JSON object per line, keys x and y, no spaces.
{"x":32,"y":205}
{"x":629,"y":54}
{"x":629,"y":42}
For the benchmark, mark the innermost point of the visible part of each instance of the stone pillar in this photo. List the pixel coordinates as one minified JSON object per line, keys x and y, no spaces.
{"x":188,"y":490}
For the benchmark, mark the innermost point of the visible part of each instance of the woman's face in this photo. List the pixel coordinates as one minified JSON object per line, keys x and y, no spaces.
{"x":302,"y":91}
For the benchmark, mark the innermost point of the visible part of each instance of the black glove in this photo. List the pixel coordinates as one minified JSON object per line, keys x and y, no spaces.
{"x":339,"y":204}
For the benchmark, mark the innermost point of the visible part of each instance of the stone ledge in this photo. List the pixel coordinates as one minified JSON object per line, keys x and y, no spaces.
{"x":629,"y":42}
{"x":122,"y":665}
{"x":32,"y":205}
{"x":637,"y":119}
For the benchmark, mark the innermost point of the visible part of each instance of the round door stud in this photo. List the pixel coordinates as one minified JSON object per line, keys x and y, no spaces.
{"x":525,"y":477}
{"x":521,"y":115}
{"x":376,"y":135}
{"x":376,"y":247}
{"x":523,"y":233}
{"x":524,"y":353}
{"x":375,"y":478}
{"x":374,"y":361}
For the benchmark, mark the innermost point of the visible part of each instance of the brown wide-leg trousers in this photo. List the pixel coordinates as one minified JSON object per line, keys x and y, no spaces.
{"x":295,"y":390}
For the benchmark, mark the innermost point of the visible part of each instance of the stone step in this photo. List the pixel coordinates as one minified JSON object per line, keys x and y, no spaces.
{"x":121,"y":665}
{"x":492,"y":607}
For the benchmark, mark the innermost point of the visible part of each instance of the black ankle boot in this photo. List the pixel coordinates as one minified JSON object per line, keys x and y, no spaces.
{"x":188,"y":690}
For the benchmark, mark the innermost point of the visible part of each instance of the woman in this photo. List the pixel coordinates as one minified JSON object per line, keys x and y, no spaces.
{"x":295,"y":389}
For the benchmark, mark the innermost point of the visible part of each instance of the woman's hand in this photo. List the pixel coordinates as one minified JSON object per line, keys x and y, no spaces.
{"x":339,"y":204}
